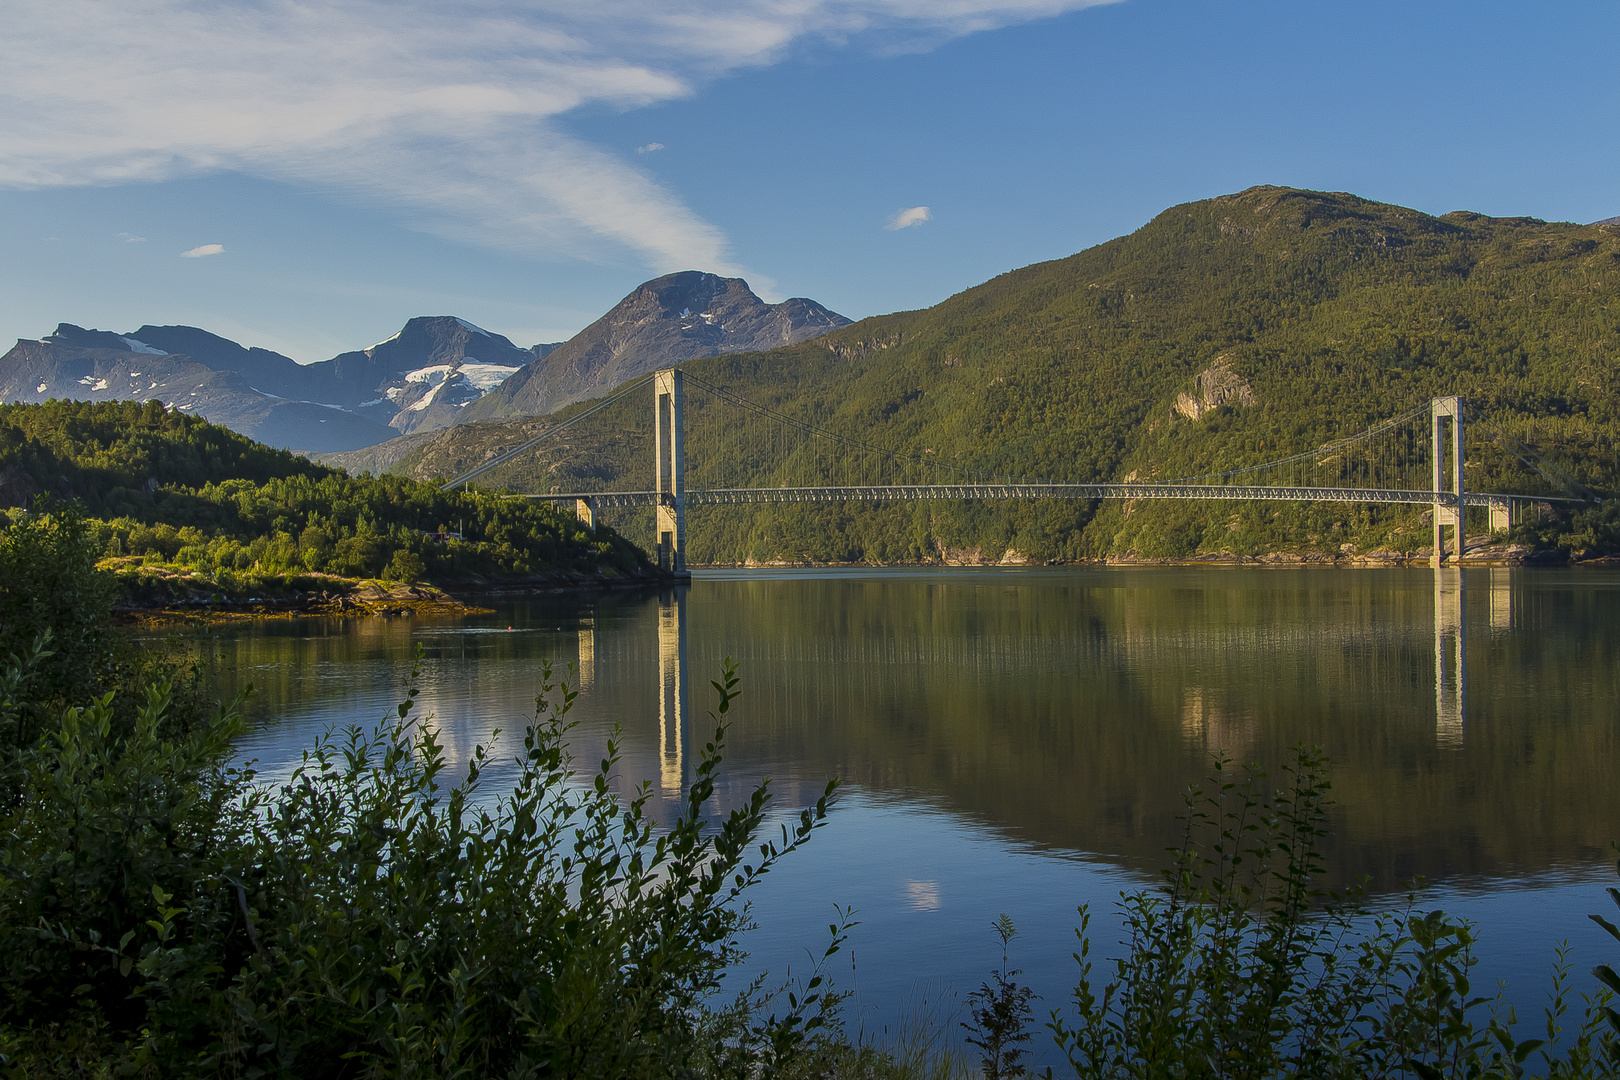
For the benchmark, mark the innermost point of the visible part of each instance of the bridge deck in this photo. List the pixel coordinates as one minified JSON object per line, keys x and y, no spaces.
{"x":911,"y":493}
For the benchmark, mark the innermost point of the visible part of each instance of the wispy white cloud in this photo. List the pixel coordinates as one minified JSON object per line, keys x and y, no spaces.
{"x":203,"y":251}
{"x":650,"y":148}
{"x":905,"y":219}
{"x":131,"y":238}
{"x":447,"y":111}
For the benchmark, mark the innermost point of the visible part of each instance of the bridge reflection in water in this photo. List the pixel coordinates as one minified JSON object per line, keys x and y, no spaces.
{"x":1065,"y":708}
{"x":1450,"y":658}
{"x":1203,"y":718}
{"x":674,"y":699}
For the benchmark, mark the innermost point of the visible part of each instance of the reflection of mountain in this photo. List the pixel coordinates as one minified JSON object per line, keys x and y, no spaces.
{"x":1071,"y":709}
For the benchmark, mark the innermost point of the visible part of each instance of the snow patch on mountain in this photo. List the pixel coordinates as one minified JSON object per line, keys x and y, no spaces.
{"x":486,"y":377}
{"x":141,"y":346}
{"x":428,"y":374}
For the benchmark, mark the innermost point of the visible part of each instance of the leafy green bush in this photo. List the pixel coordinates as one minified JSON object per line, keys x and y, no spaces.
{"x":1239,"y":968}
{"x":49,"y":585}
{"x":161,"y":910}
{"x":1001,"y":1016}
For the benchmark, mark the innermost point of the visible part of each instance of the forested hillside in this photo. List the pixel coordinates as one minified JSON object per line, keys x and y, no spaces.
{"x":176,"y":499}
{"x":1310,"y":315}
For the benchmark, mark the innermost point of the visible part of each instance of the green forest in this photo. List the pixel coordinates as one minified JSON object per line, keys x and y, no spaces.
{"x":1318,"y":315}
{"x":176,"y":503}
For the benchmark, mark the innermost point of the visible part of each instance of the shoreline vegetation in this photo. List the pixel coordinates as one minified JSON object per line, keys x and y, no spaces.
{"x":189,"y":597}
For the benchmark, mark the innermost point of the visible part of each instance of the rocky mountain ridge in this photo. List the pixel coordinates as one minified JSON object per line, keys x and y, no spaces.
{"x":414,"y":380}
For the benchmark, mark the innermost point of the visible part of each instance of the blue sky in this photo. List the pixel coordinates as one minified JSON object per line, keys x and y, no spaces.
{"x":524,"y":165}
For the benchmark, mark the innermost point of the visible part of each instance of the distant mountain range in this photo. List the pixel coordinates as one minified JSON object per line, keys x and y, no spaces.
{"x":421,"y":379}
{"x":415,"y":379}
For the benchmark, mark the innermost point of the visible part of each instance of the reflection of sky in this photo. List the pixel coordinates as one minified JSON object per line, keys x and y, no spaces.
{"x":926,"y":885}
{"x":940,"y":836}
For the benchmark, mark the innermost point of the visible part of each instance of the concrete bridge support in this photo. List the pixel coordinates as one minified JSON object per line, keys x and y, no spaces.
{"x":1501,"y":514}
{"x":1448,"y":505}
{"x":670,"y":471}
{"x":585,"y":510}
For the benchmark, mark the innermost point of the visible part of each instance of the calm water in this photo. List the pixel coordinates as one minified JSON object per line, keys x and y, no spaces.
{"x":1018,"y":740}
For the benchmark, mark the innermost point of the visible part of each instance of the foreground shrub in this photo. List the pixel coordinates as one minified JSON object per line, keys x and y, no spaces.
{"x":1240,"y":968}
{"x":162,"y":914}
{"x":49,"y":586}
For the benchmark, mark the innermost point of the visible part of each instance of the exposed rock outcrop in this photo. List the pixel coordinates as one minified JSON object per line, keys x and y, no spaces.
{"x":1215,"y":386}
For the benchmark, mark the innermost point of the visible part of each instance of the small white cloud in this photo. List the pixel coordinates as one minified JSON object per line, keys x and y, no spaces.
{"x":905,"y":219}
{"x":650,"y":148}
{"x":131,"y":238}
{"x":204,"y":250}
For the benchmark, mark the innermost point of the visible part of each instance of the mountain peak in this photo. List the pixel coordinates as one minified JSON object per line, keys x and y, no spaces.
{"x":667,"y":320}
{"x":440,"y":338}
{"x":79,"y":337}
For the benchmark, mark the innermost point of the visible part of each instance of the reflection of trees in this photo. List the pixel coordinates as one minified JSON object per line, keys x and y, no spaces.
{"x":1072,"y":709}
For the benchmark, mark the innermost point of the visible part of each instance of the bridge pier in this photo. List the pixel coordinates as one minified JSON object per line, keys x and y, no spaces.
{"x":1449,"y":508}
{"x":1501,"y":514}
{"x":670,"y":472}
{"x":585,"y":510}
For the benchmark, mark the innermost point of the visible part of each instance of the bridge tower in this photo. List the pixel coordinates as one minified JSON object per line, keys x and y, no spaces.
{"x":1448,"y":505}
{"x":670,"y":471}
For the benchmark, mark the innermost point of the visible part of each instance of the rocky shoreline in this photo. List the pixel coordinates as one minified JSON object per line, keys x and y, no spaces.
{"x":1478,"y":551}
{"x":351,"y":598}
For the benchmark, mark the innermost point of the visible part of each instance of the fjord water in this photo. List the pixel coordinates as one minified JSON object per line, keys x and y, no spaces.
{"x":1019,"y":740}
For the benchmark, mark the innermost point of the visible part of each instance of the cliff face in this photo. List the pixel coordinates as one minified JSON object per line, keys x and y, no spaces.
{"x":663,"y":322}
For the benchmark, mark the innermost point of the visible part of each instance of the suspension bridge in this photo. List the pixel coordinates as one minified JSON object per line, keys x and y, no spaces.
{"x":1415,"y":458}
